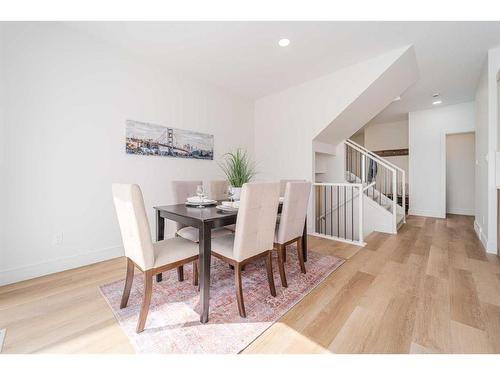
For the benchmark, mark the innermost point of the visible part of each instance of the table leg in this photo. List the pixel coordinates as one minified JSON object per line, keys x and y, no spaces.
{"x":304,"y":241}
{"x":205,"y":244}
{"x":160,"y":235}
{"x":180,"y":273}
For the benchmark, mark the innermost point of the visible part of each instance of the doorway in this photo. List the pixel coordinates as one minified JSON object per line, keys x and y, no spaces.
{"x":460,"y":173}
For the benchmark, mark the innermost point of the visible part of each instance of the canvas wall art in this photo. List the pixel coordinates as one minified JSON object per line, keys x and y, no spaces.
{"x":149,"y":139}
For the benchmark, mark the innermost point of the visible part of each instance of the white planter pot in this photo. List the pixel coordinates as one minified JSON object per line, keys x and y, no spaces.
{"x":236,"y":193}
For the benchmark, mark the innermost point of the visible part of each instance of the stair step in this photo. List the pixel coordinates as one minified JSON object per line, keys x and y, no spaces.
{"x":374,"y":195}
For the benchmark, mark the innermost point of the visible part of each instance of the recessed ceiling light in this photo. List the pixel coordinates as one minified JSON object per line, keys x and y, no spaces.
{"x":396,"y":99}
{"x":436,"y":102}
{"x":284,"y":42}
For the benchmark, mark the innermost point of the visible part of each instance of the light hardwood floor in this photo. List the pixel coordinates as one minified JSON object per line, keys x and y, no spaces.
{"x":429,"y":289}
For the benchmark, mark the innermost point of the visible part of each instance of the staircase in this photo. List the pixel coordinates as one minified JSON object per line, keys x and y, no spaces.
{"x":385,"y":193}
{"x":372,"y":198}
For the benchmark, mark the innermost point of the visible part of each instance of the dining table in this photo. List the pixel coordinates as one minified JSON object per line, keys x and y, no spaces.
{"x":205,"y":219}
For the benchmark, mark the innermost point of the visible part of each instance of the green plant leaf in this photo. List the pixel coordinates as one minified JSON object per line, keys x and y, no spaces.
{"x":237,"y":167}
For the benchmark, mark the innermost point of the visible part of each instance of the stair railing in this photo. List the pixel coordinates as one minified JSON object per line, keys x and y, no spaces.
{"x":400,"y":174}
{"x":362,"y":167}
{"x":338,"y":211}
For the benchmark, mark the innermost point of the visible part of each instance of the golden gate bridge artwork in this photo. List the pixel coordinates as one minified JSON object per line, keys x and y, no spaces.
{"x":149,"y":139}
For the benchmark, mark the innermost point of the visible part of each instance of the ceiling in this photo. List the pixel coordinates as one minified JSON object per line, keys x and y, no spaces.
{"x":244,"y":57}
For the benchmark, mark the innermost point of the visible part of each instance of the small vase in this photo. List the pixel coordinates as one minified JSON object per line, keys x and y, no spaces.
{"x":236,"y":193}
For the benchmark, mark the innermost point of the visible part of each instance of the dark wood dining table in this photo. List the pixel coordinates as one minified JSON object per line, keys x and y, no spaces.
{"x":205,"y":219}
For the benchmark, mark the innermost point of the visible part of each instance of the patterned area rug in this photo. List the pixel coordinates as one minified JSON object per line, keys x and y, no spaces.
{"x":173,"y":324}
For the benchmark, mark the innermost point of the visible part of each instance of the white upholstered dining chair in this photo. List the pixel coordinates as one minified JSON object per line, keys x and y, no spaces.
{"x":291,"y":225}
{"x":217,"y":189}
{"x":283,"y":185}
{"x":183,"y":190}
{"x":254,"y":235}
{"x":150,"y":258}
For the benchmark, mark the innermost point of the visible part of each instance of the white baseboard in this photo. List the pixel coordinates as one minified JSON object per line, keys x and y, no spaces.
{"x":461,"y":211}
{"x":427,"y":213}
{"x":2,"y":338}
{"x":333,"y":238}
{"x":31,"y":271}
{"x":489,"y":246}
{"x":477,"y":229}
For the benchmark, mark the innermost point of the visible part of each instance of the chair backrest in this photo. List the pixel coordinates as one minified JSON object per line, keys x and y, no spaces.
{"x":134,"y":225}
{"x":256,"y":220}
{"x":217,"y":189}
{"x":183,"y":190}
{"x":283,"y":185}
{"x":294,"y":211}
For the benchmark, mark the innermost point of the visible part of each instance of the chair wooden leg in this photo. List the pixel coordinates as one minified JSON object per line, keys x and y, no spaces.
{"x":195,"y":272}
{"x":148,"y":288}
{"x":270,"y":277}
{"x":239,"y":290}
{"x":128,"y":283}
{"x":300,"y":255}
{"x":180,"y":269}
{"x":281,"y":265}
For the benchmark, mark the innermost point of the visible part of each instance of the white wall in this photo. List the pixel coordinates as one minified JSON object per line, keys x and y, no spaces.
{"x":481,"y":178}
{"x":287,"y":122}
{"x":67,"y":99}
{"x":332,"y":164}
{"x":321,"y":166}
{"x":359,"y":138}
{"x":486,"y":146}
{"x":460,"y":173}
{"x":427,"y":159}
{"x":386,"y":136}
{"x":3,"y":197}
{"x":493,"y":133}
{"x":402,"y":73}
{"x":389,"y":136}
{"x":493,"y":118}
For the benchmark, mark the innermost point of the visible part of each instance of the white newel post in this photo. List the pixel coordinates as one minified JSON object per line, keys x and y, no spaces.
{"x":394,"y":201}
{"x":404,"y":196}
{"x":363,"y":168}
{"x":360,"y":215}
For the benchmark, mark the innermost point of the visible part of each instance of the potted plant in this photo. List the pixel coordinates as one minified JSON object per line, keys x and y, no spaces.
{"x":239,"y":169}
